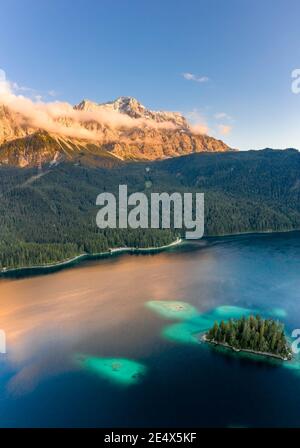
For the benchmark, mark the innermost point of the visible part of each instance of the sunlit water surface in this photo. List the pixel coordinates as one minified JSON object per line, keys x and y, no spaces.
{"x":114,"y":342}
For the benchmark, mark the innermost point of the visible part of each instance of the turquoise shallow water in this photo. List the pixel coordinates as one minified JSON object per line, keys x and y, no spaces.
{"x":188,"y":331}
{"x":120,"y":371}
{"x":114,"y":342}
{"x":172,"y":309}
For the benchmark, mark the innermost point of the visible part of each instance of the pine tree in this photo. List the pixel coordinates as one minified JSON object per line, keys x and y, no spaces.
{"x":252,"y":333}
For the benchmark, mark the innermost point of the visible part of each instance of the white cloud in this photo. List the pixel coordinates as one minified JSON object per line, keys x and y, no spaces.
{"x":197,"y":122}
{"x":192,"y":77}
{"x":61,"y":118}
{"x":15,"y":86}
{"x":222,"y":116}
{"x":2,"y":75}
{"x":52,"y":93}
{"x":199,"y":128}
{"x":224,"y":129}
{"x":5,"y":86}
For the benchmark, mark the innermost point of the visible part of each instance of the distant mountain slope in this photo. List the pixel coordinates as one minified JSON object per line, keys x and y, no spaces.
{"x":124,"y":128}
{"x":48,"y":149}
{"x":48,"y":215}
{"x":10,"y":125}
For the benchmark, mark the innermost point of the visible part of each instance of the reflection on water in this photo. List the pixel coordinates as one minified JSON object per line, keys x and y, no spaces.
{"x":98,"y":309}
{"x":99,"y":306}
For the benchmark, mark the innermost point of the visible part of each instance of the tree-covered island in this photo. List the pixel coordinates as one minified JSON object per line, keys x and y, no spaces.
{"x":251,"y":334}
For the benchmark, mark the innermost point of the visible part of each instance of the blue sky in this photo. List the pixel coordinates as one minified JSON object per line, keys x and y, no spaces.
{"x":104,"y":49}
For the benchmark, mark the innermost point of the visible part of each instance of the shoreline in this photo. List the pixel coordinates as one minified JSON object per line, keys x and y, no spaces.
{"x":87,"y":256}
{"x":120,"y":250}
{"x":244,"y":350}
{"x":262,"y":232}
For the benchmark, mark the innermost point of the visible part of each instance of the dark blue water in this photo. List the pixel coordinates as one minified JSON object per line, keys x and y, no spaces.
{"x":98,"y":309}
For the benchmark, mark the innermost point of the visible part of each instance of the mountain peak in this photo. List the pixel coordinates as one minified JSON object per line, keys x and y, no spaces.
{"x":125,"y":105}
{"x":133,"y":108}
{"x":118,"y":104}
{"x":147,"y":135}
{"x":86,"y":105}
{"x":127,"y":101}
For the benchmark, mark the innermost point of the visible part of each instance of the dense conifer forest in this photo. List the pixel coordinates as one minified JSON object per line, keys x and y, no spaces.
{"x":50,"y":215}
{"x":252,"y":333}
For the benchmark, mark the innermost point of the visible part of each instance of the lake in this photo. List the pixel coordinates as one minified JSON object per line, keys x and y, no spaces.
{"x":113,"y":342}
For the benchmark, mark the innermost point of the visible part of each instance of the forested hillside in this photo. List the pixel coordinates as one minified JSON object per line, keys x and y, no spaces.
{"x":50,"y":215}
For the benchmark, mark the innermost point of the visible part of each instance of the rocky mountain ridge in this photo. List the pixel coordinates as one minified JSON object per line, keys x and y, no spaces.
{"x":124,"y":129}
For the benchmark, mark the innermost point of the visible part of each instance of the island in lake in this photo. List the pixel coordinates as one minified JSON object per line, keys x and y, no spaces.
{"x":251,"y":334}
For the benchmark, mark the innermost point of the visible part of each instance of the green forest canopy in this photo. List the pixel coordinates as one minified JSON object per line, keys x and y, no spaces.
{"x":251,"y":333}
{"x":53,"y":217}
